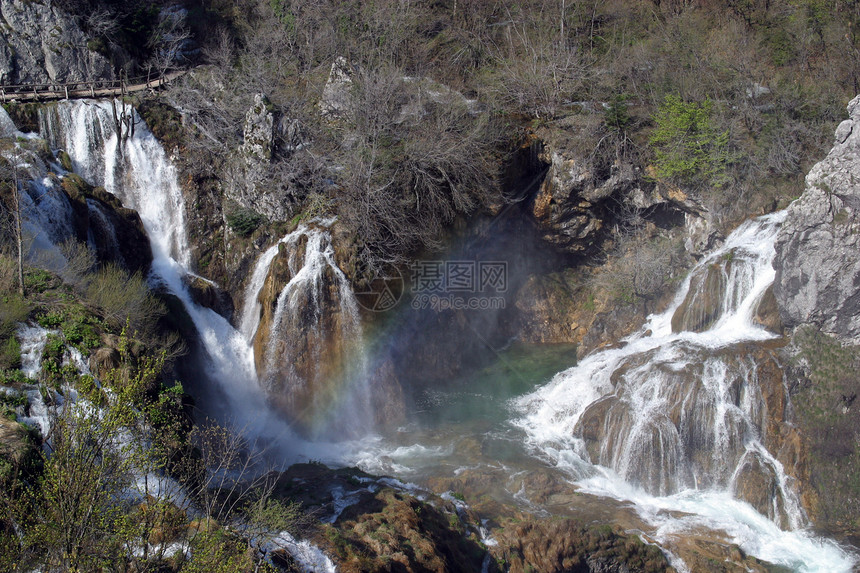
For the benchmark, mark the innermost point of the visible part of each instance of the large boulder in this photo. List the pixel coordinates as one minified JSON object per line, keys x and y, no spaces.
{"x":309,"y":347}
{"x":41,"y":43}
{"x":116,"y":234}
{"x":818,"y":248}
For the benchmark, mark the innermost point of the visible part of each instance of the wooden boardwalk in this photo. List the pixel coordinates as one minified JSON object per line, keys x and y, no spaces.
{"x":80,"y":90}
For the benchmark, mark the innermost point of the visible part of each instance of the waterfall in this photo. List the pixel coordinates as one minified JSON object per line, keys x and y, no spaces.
{"x":673,"y":418}
{"x":310,"y":354}
{"x":139,"y":173}
{"x":46,"y":214}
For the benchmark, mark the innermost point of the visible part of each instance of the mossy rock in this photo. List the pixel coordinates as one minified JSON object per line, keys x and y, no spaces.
{"x":25,"y":115}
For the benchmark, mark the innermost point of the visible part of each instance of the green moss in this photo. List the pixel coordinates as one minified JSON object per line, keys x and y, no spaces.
{"x":828,"y":413}
{"x":163,"y":121}
{"x":75,"y":186}
{"x":65,"y":160}
{"x":243,"y":221}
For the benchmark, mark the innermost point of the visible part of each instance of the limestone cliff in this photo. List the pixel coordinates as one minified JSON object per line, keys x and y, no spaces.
{"x":818,"y":249}
{"x":580,"y":204}
{"x":40,"y":43}
{"x":816,"y":290}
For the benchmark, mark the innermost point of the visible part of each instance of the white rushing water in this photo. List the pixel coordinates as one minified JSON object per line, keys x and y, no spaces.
{"x":663,"y":443}
{"x":315,"y":308}
{"x":140,"y":174}
{"x":679,"y":417}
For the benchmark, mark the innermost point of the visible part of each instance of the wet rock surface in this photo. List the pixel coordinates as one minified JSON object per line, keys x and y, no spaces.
{"x":117,"y":233}
{"x":579,"y":205}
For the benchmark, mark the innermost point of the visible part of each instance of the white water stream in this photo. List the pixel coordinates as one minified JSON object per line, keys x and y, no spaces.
{"x":690,"y":462}
{"x":139,"y":173}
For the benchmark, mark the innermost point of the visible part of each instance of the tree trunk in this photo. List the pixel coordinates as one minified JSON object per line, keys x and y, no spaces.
{"x":19,"y":240}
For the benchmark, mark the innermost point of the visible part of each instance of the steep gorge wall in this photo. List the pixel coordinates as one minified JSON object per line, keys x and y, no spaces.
{"x":818,"y":249}
{"x":41,"y":43}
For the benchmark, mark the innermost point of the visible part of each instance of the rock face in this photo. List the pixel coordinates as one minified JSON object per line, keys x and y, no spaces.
{"x":577,"y":208}
{"x":375,"y":524}
{"x":818,"y":249}
{"x":309,"y":346}
{"x":100,"y":219}
{"x":258,"y":134}
{"x":336,"y":98}
{"x":41,"y":43}
{"x":564,"y":545}
{"x":253,"y":185}
{"x":300,"y":347}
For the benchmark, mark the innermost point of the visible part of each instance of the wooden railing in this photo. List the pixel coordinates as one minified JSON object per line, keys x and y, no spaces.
{"x":88,"y":89}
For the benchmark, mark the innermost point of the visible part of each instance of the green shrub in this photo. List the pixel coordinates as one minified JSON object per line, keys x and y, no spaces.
{"x":50,"y":318}
{"x":13,"y":309}
{"x":13,"y":377}
{"x":617,"y":117}
{"x":687,"y":145}
{"x":38,"y":280}
{"x":80,"y":334}
{"x":123,"y":297}
{"x":13,"y":399}
{"x":10,"y":353}
{"x":243,"y":222}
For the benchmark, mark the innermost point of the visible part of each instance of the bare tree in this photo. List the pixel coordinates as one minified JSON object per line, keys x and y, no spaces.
{"x":12,"y":180}
{"x":168,"y":43}
{"x":414,"y":155}
{"x":125,"y":119}
{"x":102,"y":23}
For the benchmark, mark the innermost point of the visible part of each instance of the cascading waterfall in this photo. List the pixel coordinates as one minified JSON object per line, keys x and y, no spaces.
{"x":674,"y":418}
{"x":136,"y":170}
{"x":46,"y":215}
{"x":143,"y":178}
{"x":310,"y":346}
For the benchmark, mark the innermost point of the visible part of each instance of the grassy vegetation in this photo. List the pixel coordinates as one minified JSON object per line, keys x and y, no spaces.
{"x":65,"y":503}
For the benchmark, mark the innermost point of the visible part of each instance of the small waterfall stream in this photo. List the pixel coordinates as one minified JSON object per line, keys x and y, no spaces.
{"x":139,"y":173}
{"x":652,"y":420}
{"x":310,"y":347}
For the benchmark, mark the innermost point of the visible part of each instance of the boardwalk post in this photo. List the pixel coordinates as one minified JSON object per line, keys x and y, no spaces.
{"x":92,"y":90}
{"x":66,"y":87}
